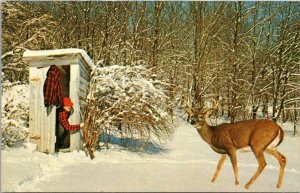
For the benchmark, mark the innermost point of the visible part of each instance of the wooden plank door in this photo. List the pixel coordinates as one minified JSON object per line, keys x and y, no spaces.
{"x":42,"y":120}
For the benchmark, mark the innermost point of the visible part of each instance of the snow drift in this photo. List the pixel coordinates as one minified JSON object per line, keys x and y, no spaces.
{"x":186,"y":163}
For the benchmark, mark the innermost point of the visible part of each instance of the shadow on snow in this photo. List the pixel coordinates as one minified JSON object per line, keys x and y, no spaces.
{"x":133,"y":145}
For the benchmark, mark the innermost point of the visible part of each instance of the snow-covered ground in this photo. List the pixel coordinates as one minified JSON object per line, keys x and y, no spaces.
{"x":186,"y":163}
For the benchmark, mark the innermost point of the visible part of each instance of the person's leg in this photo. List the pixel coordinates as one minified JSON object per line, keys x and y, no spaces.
{"x":63,"y":138}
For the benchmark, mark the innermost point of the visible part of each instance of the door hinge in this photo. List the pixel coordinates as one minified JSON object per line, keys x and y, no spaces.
{"x":35,"y":137}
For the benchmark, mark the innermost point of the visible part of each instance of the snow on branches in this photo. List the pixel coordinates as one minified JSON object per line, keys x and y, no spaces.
{"x":130,"y":100}
{"x":15,"y":113}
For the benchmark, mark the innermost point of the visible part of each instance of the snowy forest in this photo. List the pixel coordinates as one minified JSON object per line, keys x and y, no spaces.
{"x":244,"y":54}
{"x":171,"y":55}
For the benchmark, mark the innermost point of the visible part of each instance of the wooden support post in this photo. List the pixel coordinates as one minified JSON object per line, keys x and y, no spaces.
{"x":75,"y":141}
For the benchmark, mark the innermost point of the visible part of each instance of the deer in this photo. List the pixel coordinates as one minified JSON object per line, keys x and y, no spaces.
{"x":189,"y":110}
{"x":261,"y":135}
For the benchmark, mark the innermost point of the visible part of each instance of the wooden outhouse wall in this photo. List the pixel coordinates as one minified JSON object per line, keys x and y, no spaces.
{"x":83,"y":83}
{"x":80,"y":77}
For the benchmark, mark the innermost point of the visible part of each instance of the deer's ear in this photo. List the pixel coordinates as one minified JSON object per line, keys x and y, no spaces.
{"x":215,"y":104}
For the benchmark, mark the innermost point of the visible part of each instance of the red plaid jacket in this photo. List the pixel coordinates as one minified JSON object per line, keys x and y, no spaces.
{"x":53,"y":93}
{"x":63,"y":117}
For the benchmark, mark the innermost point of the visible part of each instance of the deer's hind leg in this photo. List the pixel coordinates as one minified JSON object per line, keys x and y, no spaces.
{"x":282,"y":161}
{"x":219,"y":167}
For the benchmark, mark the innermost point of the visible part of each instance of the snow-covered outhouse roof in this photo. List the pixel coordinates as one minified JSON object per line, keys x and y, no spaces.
{"x":57,"y":53}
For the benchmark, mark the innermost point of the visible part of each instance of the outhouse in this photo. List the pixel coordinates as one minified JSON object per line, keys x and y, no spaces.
{"x":75,"y":68}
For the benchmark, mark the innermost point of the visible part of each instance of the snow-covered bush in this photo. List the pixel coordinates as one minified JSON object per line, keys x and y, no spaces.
{"x":131,"y":101}
{"x":15,"y":113}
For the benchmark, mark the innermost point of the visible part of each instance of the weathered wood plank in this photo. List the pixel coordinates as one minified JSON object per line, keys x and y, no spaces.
{"x":82,"y":91}
{"x":52,"y":139}
{"x":82,"y":102}
{"x":74,"y":95}
{"x":82,"y":98}
{"x":58,"y":54}
{"x":40,"y":104}
{"x":49,"y":123}
{"x":84,"y":82}
{"x":42,"y":112}
{"x":45,"y":63}
{"x":84,"y":76}
{"x":84,"y":67}
{"x":45,"y":122}
{"x":33,"y":127}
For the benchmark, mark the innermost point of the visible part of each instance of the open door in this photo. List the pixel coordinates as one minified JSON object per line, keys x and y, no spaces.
{"x":42,"y":120}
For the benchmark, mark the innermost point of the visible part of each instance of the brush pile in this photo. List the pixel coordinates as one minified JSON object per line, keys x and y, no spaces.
{"x":128,"y":100}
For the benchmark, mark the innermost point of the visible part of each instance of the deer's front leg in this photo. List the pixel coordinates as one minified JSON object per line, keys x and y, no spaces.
{"x":219,"y":167}
{"x":231,"y":153}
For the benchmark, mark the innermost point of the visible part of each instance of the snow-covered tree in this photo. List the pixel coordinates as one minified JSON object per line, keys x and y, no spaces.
{"x":23,"y":27}
{"x":15,"y":114}
{"x":129,"y":100}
